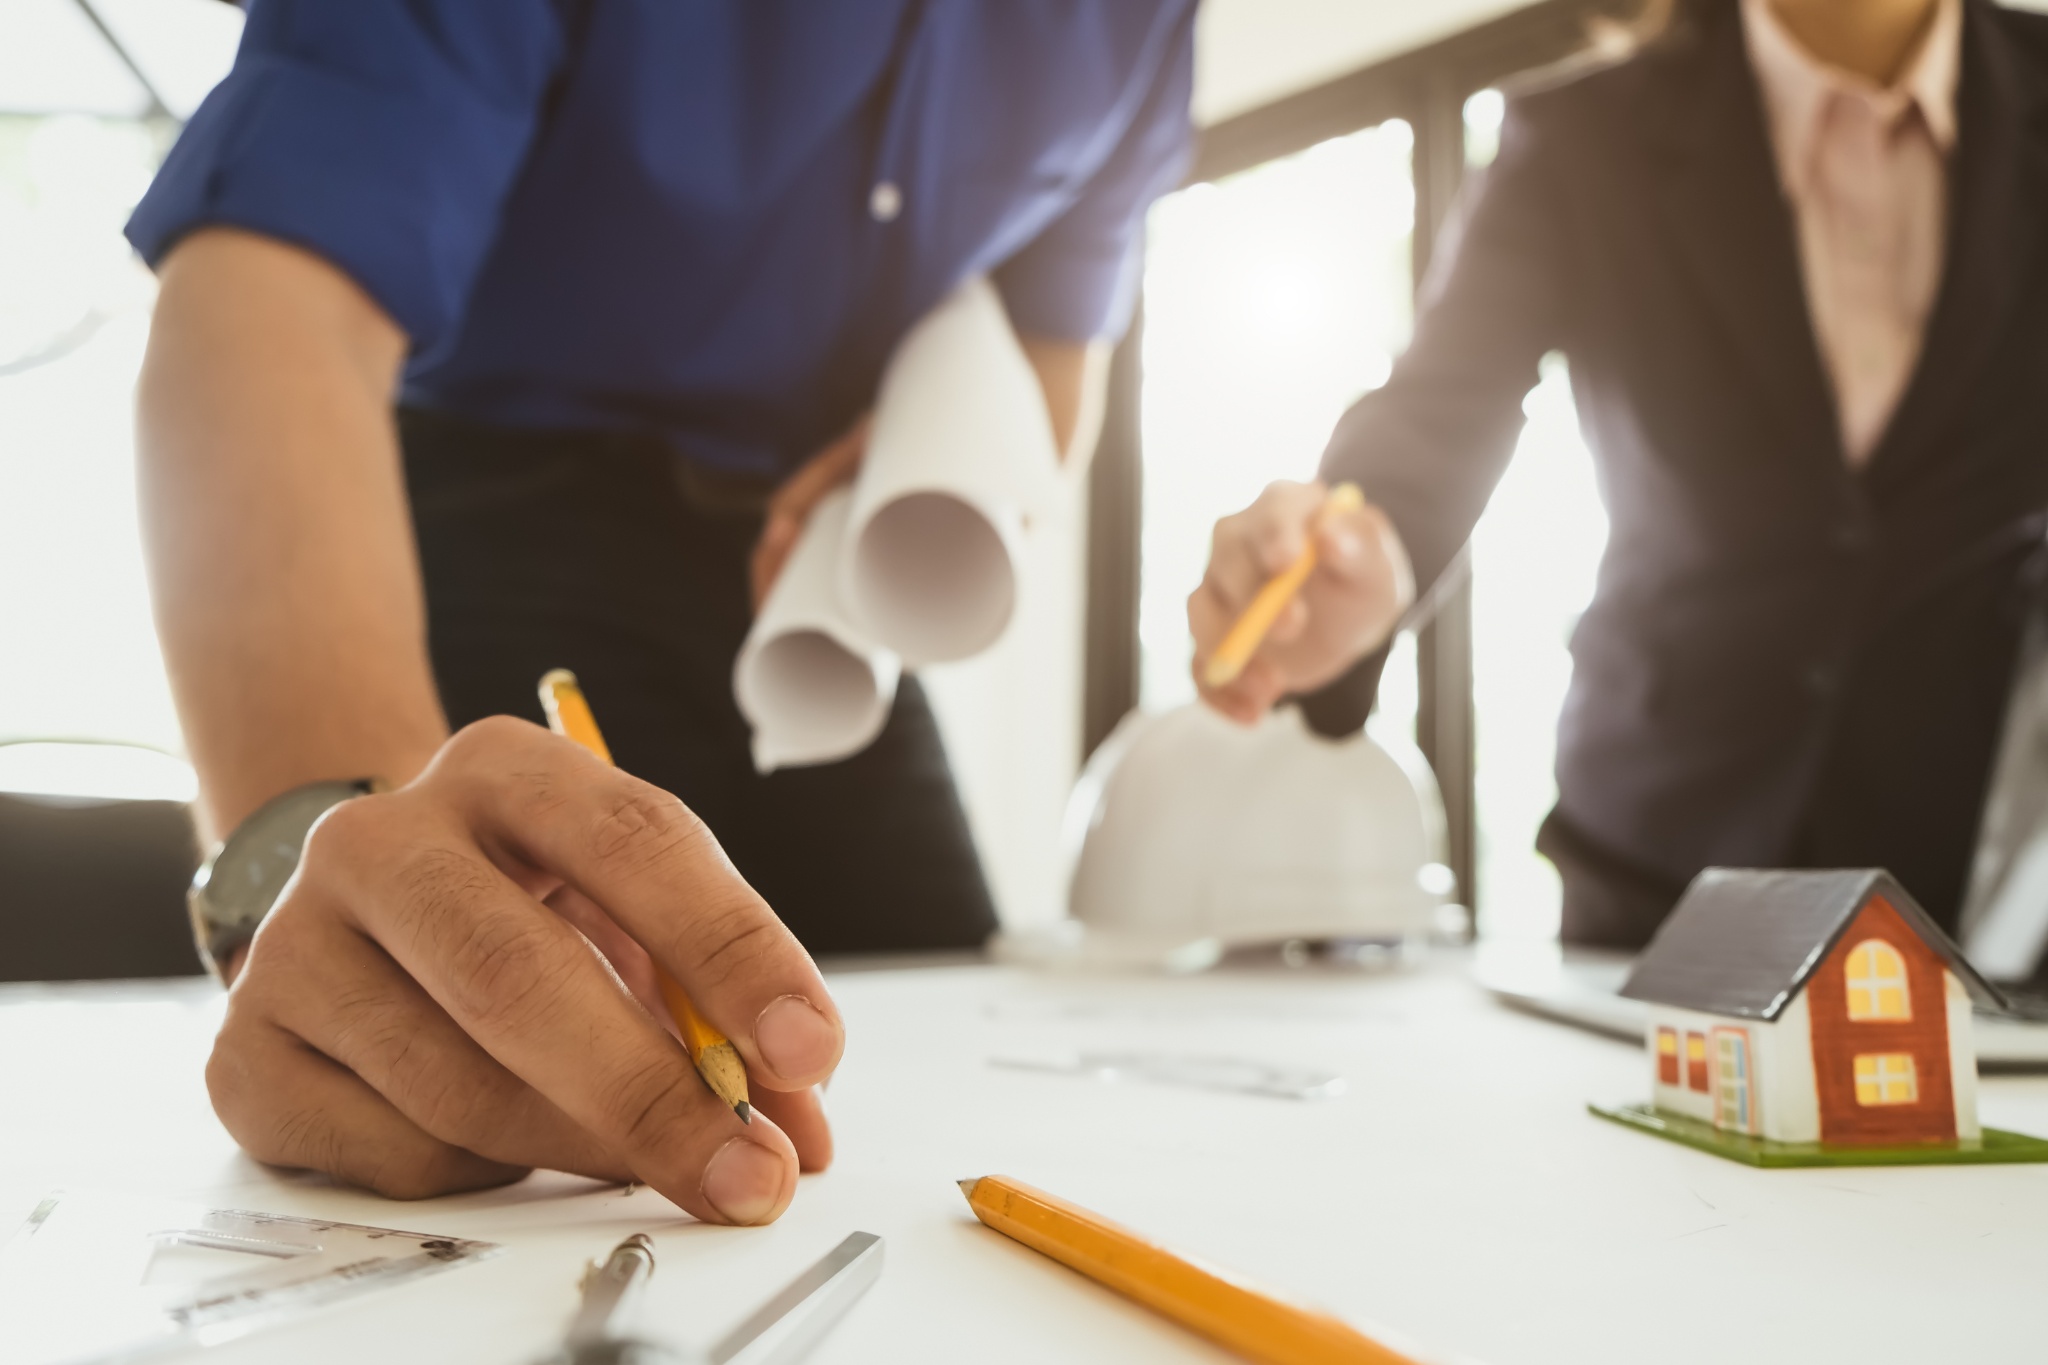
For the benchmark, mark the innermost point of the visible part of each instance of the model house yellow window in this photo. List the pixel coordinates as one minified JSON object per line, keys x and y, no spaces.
{"x":1877,"y":982}
{"x":1886,"y":1078}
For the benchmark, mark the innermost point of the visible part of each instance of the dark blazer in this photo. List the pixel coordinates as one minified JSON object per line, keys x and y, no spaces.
{"x":1786,"y":662}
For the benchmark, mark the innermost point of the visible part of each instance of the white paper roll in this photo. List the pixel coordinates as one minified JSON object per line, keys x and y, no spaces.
{"x":806,"y":679}
{"x":961,"y":454}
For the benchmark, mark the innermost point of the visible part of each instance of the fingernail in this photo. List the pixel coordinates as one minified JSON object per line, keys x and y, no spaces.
{"x":796,"y":1040}
{"x":1346,"y":544}
{"x":743,"y":1181}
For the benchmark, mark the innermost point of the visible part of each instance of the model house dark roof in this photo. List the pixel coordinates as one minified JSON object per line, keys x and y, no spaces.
{"x":1743,"y":942}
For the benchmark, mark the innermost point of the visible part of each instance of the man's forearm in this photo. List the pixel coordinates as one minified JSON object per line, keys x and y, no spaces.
{"x":282,"y":566}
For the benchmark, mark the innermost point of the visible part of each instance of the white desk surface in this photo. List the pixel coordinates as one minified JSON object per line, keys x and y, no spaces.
{"x":1459,"y":1193}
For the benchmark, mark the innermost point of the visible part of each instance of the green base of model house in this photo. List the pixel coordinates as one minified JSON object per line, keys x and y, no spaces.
{"x":1996,"y":1146}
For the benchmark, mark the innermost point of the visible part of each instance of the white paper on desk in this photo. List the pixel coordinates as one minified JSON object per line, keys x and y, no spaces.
{"x":961,"y":455}
{"x":806,"y":679}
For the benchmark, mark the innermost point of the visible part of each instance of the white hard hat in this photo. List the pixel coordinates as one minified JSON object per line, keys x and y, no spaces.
{"x":1189,"y":834}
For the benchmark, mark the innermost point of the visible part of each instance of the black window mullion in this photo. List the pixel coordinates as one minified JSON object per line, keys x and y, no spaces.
{"x":1444,"y":716}
{"x":1116,"y":515}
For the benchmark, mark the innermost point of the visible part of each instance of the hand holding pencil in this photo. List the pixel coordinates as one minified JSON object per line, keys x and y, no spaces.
{"x":717,"y":1061}
{"x":460,"y":984}
{"x":1300,"y":586}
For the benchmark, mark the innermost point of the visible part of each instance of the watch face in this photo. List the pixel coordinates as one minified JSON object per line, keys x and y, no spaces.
{"x":247,"y":875}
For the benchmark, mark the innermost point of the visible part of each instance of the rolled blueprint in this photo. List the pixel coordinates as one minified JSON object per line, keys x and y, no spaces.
{"x":960,"y":456}
{"x":812,"y":686}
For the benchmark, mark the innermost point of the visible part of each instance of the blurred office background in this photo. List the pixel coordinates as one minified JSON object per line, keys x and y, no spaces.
{"x":1278,"y":287}
{"x":95,"y":845}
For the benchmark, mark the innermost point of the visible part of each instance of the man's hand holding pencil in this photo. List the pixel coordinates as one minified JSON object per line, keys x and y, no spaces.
{"x":463,"y":983}
{"x":1300,"y":586}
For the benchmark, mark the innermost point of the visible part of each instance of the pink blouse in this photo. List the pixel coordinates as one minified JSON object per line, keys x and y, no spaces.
{"x":1865,"y":170}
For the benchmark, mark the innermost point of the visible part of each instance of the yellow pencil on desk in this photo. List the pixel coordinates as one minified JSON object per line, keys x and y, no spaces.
{"x":1249,"y":633}
{"x":717,"y":1060}
{"x":1252,"y":1322}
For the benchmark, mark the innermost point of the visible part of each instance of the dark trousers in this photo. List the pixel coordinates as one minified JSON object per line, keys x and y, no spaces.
{"x":606,"y":555}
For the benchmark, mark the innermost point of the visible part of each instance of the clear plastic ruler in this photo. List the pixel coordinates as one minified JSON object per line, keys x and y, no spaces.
{"x":1237,"y":1074}
{"x":95,"y":1277}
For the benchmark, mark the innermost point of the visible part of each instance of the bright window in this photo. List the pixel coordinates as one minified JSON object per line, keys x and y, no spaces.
{"x":1667,"y":1056}
{"x":1696,"y":1062}
{"x":1535,"y":554}
{"x":1273,"y":299}
{"x":1886,"y":1078}
{"x":74,"y":312}
{"x":1877,"y":982}
{"x":90,"y":96}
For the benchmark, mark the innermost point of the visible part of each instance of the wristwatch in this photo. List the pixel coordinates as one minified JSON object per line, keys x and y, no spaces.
{"x":236,"y":887}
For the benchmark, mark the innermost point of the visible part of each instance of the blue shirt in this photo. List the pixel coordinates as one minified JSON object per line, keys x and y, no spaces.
{"x":709,"y":218}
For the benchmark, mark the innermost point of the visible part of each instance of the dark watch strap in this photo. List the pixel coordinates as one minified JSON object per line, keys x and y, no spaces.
{"x":243,"y":878}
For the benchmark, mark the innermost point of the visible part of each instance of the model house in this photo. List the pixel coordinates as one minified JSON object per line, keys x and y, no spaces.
{"x":1811,"y":1007}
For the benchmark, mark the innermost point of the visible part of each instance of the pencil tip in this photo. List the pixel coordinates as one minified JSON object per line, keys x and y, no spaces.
{"x":967,"y":1186}
{"x":745,"y":1111}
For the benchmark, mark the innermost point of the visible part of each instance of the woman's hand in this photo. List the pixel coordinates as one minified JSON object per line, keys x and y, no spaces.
{"x":1361,"y":586}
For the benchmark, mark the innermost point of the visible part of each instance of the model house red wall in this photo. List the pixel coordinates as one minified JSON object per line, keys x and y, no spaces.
{"x":1838,"y":1040}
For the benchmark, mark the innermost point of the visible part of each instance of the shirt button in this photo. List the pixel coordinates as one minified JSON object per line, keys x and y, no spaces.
{"x":885,"y":201}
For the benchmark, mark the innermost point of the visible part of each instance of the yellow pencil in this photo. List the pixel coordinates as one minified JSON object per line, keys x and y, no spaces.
{"x":716,"y":1059}
{"x":1249,"y":633}
{"x":1255,"y":1324}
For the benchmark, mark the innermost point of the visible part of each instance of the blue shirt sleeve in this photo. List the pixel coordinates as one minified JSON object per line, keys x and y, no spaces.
{"x":382,"y":134}
{"x":1078,"y":278}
